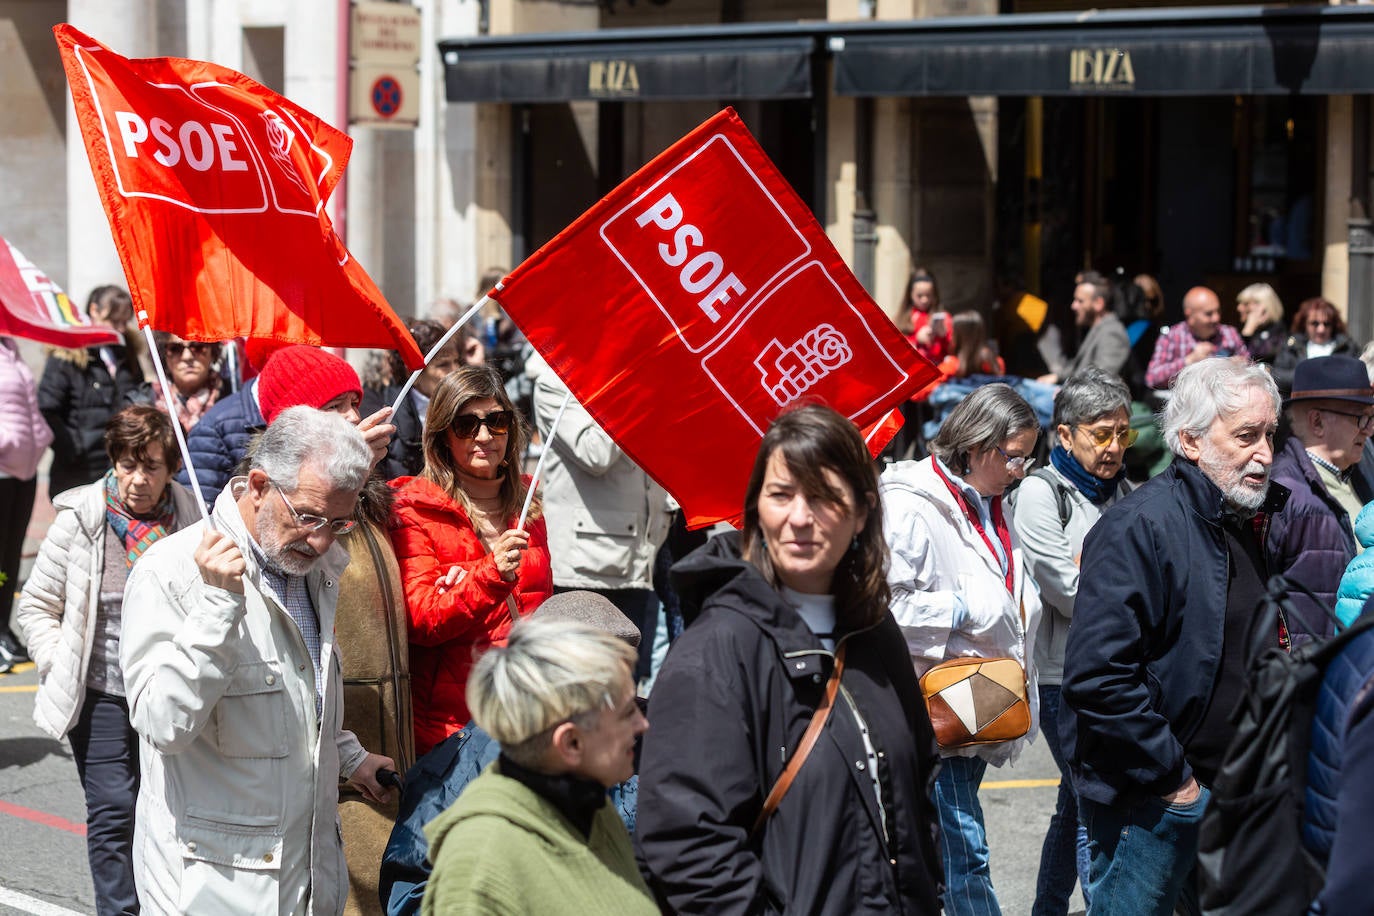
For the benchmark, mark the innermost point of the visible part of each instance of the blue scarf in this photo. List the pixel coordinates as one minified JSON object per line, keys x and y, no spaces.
{"x":1097,"y":490}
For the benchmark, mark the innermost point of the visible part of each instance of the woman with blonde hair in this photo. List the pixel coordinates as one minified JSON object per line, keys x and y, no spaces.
{"x":536,"y":832}
{"x":1261,"y":321}
{"x":468,"y":569}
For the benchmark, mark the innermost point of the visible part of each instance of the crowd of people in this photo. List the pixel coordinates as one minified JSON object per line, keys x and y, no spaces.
{"x":386,"y":624}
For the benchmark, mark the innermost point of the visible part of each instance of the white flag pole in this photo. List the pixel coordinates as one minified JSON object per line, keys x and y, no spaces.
{"x":434,"y":351}
{"x":539,"y":467}
{"x":168,"y":393}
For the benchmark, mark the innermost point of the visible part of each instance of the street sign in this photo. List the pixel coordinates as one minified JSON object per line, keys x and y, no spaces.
{"x":384,"y":86}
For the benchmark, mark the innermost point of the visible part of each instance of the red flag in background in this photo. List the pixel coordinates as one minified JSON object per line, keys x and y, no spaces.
{"x":35,"y":308}
{"x":215,"y":189}
{"x":694,"y":303}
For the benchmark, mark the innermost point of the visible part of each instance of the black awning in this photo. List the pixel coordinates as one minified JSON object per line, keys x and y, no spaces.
{"x":1159,"y":52}
{"x":716,"y":63}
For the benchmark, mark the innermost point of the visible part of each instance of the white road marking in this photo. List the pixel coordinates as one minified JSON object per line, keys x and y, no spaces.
{"x":27,"y":904}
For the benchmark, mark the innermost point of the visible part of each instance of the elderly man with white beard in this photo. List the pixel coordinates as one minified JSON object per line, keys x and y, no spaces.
{"x":1155,"y":663}
{"x":234,"y":686}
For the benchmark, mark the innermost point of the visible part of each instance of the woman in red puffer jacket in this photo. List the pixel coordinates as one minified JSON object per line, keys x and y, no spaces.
{"x":468,"y":571}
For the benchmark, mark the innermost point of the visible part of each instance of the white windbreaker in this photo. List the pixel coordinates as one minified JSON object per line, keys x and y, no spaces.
{"x":936,"y":555}
{"x":237,"y":810}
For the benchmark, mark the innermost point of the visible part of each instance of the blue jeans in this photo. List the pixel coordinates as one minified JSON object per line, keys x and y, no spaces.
{"x":1064,"y":855}
{"x":968,"y":880}
{"x":105,"y":748}
{"x":1144,"y":856}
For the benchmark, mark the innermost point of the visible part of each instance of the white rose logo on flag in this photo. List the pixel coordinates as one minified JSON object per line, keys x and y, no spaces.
{"x":279,"y":140}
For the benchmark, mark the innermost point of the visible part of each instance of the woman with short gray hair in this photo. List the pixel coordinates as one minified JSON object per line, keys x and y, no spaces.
{"x":535,"y":833}
{"x":960,"y":589}
{"x":1055,"y":509}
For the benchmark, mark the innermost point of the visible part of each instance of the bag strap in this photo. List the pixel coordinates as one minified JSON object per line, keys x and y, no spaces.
{"x":808,"y":741}
{"x":1062,"y":502}
{"x":510,"y":596}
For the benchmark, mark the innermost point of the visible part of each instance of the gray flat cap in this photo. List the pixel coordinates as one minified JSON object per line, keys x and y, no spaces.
{"x":592,"y":609}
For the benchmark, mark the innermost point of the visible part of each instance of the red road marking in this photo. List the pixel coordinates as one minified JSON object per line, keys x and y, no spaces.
{"x":42,"y":817}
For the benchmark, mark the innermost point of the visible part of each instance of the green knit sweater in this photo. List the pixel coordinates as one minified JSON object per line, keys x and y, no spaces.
{"x":503,"y":849}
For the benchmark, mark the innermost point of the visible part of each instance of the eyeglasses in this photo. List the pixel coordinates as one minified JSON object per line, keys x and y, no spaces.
{"x":1319,"y":323}
{"x":1101,"y":435}
{"x":1019,"y":464}
{"x":497,"y":422}
{"x":197,"y":349}
{"x":1364,"y":421}
{"x":315,"y":522}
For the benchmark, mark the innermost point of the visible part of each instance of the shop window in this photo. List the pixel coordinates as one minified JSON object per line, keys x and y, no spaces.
{"x":1280,"y":173}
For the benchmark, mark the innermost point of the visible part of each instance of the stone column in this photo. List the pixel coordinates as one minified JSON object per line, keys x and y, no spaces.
{"x":128,"y":27}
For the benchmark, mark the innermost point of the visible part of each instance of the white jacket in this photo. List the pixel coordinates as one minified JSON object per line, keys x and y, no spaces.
{"x":237,"y":805}
{"x":936,"y":555}
{"x":57,"y":609}
{"x":606,"y":517}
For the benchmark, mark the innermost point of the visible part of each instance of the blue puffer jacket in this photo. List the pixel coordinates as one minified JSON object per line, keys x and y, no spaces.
{"x":220,"y":440}
{"x":1357,"y":585}
{"x":1338,"y":804}
{"x":431,"y":786}
{"x":1310,"y":542}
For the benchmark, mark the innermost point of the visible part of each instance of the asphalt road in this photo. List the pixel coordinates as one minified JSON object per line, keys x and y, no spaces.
{"x":42,"y":814}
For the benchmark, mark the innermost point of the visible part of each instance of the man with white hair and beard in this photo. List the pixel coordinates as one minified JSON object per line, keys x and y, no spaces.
{"x":234,"y":686}
{"x":1155,"y":663}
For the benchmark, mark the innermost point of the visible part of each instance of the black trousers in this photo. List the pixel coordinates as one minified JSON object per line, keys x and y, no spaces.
{"x":105,"y":746}
{"x":16,"y":505}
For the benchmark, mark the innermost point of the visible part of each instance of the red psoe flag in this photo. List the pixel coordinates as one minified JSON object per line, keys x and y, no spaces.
{"x":697,"y":301}
{"x":215,"y":188}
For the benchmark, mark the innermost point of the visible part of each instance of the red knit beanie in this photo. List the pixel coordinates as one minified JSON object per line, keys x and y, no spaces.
{"x":299,"y":375}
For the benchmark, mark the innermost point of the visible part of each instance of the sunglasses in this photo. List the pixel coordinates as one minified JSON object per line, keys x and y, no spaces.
{"x":1101,"y":436}
{"x":497,"y":422}
{"x":197,"y":349}
{"x":314,"y":522}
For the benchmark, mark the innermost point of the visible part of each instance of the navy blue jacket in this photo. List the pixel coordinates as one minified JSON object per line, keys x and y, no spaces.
{"x":220,"y":440}
{"x":1338,"y":805}
{"x":432,"y":784}
{"x":1145,"y":645}
{"x":1311,"y":541}
{"x":405,"y":456}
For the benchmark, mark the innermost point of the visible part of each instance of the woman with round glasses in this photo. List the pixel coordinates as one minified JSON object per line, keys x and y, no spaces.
{"x":960,"y":589}
{"x":1054,"y":509}
{"x":196,"y":386}
{"x":469,"y":572}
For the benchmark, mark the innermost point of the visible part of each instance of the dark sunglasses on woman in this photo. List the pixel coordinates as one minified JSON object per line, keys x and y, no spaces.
{"x":497,"y":422}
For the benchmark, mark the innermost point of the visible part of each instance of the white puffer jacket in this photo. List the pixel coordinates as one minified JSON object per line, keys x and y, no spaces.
{"x":938,"y":555}
{"x":238,"y":803}
{"x":58,"y":606}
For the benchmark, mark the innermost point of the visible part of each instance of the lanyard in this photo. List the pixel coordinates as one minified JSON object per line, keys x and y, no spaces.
{"x":998,"y":521}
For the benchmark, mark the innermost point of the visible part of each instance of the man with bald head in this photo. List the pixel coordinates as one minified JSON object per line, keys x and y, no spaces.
{"x":1198,"y":336}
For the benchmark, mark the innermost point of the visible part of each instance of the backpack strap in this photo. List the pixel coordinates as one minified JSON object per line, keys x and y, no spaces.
{"x":1062,"y":500}
{"x":808,"y":741}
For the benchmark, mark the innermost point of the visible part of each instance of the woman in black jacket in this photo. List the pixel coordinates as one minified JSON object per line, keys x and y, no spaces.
{"x":1318,"y":330}
{"x":774,"y":608}
{"x":82,"y":389}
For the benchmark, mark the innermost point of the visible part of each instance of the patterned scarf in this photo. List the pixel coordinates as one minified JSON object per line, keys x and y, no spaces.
{"x":189,"y":409}
{"x":136,"y":533}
